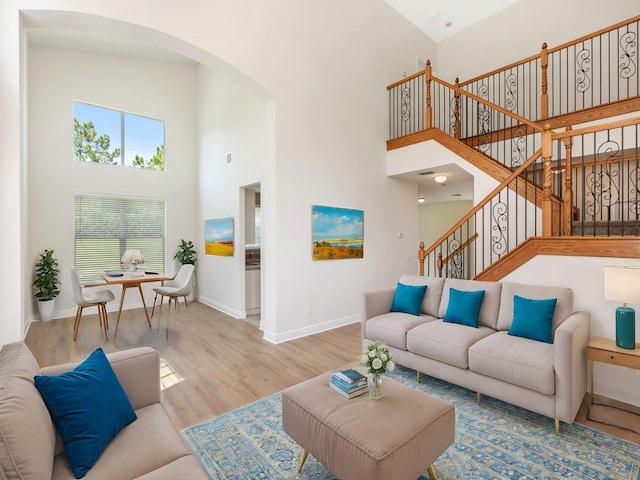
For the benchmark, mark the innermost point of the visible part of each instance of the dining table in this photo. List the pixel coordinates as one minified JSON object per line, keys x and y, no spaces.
{"x":131,"y":280}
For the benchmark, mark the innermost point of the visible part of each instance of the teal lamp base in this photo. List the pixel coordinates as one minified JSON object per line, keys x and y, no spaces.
{"x":626,"y":328}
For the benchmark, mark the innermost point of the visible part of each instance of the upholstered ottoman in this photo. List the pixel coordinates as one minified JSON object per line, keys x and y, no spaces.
{"x":398,"y":436}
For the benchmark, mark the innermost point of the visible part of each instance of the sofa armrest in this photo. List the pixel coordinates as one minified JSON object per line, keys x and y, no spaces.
{"x":570,"y":341}
{"x":137,"y":369}
{"x":375,"y":303}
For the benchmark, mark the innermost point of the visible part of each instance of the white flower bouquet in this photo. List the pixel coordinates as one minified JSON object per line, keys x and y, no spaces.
{"x":377,"y":358}
{"x":132,"y":257}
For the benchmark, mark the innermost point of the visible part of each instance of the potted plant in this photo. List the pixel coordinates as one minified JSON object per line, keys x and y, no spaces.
{"x":186,"y":254}
{"x":46,"y":283}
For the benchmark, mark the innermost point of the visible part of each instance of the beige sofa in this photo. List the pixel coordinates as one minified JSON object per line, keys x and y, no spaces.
{"x":31,"y":449}
{"x":547,"y":378}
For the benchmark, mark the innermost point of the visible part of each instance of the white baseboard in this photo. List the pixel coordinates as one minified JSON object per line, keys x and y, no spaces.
{"x":310,"y":330}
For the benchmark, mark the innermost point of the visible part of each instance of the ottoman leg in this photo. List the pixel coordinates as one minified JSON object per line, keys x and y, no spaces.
{"x":303,"y":457}
{"x":432,"y":472}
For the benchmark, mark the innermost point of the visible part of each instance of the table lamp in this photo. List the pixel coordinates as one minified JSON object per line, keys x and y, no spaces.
{"x":622,"y":284}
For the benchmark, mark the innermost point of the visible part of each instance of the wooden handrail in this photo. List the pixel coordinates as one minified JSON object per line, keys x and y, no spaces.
{"x":405,"y":79}
{"x":516,"y":173}
{"x":443,"y":261}
{"x":627,"y":122}
{"x":486,"y":103}
{"x":501,"y":69}
{"x":595,"y":34}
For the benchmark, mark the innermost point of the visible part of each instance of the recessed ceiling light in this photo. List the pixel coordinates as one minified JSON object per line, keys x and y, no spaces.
{"x":421,"y":199}
{"x":440,"y":178}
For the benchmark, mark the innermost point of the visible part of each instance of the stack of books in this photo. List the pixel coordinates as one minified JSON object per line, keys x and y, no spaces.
{"x":349,"y":383}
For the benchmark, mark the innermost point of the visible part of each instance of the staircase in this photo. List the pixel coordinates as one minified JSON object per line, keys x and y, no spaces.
{"x":566,"y":156}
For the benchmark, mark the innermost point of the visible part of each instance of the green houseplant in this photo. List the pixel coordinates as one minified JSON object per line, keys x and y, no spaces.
{"x":186,"y":253}
{"x":46,"y":283}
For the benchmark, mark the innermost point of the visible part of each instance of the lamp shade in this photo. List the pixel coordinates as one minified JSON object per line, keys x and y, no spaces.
{"x":622,"y":284}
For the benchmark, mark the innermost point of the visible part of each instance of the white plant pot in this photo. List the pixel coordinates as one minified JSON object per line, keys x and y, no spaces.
{"x":45,"y":309}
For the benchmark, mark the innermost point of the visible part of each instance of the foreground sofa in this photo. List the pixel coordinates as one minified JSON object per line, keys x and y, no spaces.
{"x":149,"y":448}
{"x":547,"y":378}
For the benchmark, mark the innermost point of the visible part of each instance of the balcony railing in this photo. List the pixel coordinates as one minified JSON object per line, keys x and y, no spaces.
{"x":592,"y":71}
{"x":580,"y":182}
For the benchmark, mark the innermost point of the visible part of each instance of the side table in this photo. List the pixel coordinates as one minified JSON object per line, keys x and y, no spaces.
{"x":604,"y":350}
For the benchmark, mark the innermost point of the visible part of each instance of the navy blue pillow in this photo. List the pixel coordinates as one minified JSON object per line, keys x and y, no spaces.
{"x":89,"y":407}
{"x":408,"y":298}
{"x":533,"y":319}
{"x":464,"y":307}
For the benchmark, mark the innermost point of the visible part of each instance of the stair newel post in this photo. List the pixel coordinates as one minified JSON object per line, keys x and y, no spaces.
{"x":547,"y":205}
{"x":422,"y":254}
{"x":439,"y":264}
{"x":456,"y":110}
{"x":567,"y":207}
{"x":544,"y":97}
{"x":428,"y":111}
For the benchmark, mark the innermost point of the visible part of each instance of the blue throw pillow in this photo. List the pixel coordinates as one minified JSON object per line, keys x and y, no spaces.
{"x":533,"y":319}
{"x":89,"y":407}
{"x":464,"y":307}
{"x":408,"y":298}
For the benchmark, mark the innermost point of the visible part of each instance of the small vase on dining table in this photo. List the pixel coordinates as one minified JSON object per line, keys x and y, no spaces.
{"x":375,"y":386}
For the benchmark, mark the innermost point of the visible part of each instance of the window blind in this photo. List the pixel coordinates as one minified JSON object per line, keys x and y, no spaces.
{"x":105,"y":227}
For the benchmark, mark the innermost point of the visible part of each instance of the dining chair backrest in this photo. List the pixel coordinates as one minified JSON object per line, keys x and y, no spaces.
{"x":184,"y":280}
{"x":77,"y":288}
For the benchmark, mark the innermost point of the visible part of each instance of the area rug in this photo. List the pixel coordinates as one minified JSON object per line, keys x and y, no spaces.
{"x":494,"y":440}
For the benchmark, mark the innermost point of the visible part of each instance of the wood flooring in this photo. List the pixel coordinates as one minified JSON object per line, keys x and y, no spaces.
{"x":212,"y":363}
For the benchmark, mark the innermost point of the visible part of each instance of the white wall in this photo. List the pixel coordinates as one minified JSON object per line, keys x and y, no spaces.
{"x":325,"y":66}
{"x":518,"y":32}
{"x":161,"y":90}
{"x":13,"y":192}
{"x":232,"y":120}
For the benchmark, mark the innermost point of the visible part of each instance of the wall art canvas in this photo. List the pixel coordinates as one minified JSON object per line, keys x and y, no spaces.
{"x":337,"y":233}
{"x":218,"y":237}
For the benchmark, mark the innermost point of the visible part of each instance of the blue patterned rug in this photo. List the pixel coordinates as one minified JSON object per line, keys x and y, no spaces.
{"x":494,"y":440}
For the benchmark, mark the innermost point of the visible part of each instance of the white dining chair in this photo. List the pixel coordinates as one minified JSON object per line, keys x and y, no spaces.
{"x":180,"y":286}
{"x":90,"y":297}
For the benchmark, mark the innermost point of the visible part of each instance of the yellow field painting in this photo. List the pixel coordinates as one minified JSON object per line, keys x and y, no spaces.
{"x":218,"y":248}
{"x":219,"y":237}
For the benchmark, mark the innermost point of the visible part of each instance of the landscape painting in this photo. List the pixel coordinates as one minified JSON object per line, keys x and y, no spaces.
{"x":337,"y":233}
{"x":218,"y":237}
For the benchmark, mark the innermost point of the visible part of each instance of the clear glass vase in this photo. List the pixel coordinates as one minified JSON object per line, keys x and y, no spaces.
{"x":375,"y":386}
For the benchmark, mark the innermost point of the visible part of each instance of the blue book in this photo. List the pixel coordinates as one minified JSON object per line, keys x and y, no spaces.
{"x":354,"y":393}
{"x":350,"y":376}
{"x":347,"y":387}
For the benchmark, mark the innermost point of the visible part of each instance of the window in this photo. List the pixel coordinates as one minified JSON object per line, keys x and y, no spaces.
{"x":103,"y":135}
{"x":105,"y":227}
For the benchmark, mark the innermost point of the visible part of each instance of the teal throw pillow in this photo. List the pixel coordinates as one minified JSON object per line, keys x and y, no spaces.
{"x":464,"y":307}
{"x":408,"y":298}
{"x":89,"y":407}
{"x":533,"y":319}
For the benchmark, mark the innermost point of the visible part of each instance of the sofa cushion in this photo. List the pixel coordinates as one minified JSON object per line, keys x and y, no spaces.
{"x":391,"y":328}
{"x":564,"y":305}
{"x":408,"y":298}
{"x":533,"y":318}
{"x":490,"y":304}
{"x":89,"y":406}
{"x":446,"y":342}
{"x":515,"y":360}
{"x":27,"y":435}
{"x":464,"y":307}
{"x":146,"y":445}
{"x":431,"y":301}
